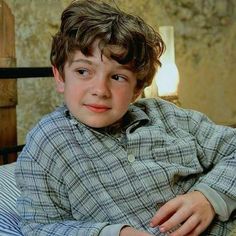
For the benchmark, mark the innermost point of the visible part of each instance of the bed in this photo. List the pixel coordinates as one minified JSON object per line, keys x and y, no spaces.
{"x":8,"y":215}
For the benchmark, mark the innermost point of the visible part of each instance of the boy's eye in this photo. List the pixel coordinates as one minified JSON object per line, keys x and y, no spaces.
{"x":118,"y":78}
{"x":82,"y":71}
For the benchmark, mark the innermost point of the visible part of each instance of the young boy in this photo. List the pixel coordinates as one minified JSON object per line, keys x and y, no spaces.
{"x":105,"y":165}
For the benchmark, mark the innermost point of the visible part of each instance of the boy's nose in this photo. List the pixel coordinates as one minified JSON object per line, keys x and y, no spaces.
{"x":101,"y":88}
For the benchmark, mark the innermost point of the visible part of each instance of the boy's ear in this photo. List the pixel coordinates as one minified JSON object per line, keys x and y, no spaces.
{"x":60,"y":84}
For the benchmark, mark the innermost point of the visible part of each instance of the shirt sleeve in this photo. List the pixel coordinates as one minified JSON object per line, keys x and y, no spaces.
{"x":222,"y":204}
{"x":113,"y":230}
{"x":217,"y":154}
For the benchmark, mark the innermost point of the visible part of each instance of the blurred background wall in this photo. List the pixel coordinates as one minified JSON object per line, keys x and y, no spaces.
{"x":205,"y":44}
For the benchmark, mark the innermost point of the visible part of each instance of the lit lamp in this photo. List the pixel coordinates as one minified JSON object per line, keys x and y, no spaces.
{"x":167,"y":76}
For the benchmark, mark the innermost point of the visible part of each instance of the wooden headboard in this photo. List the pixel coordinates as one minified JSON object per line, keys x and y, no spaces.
{"x":8,"y":102}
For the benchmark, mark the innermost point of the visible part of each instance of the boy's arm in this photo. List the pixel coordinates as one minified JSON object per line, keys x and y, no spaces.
{"x":218,"y":157}
{"x":216,"y":190}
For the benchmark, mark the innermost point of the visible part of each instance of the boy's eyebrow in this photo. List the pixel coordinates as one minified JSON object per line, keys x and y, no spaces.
{"x":82,"y":60}
{"x":120,"y":66}
{"x":126,"y":67}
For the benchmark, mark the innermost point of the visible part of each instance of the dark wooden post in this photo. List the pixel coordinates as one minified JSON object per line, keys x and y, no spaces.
{"x":8,"y":89}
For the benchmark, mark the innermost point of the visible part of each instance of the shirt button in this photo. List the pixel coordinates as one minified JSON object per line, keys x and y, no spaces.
{"x":131,"y":158}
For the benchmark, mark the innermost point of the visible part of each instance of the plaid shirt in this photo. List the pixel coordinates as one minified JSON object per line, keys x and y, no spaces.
{"x":75,"y":180}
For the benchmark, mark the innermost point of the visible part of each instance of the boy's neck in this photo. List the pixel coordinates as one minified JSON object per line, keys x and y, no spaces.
{"x":113,"y":129}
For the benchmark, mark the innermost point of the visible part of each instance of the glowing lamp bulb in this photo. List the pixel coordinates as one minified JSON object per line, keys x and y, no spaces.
{"x":167,"y":76}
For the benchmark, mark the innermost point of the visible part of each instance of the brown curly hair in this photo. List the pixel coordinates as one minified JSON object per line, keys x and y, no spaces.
{"x":85,"y":21}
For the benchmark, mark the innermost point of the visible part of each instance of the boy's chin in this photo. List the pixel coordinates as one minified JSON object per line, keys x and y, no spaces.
{"x":99,"y":125}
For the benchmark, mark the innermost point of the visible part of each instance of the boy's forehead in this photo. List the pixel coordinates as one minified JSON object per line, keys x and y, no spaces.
{"x":97,"y":48}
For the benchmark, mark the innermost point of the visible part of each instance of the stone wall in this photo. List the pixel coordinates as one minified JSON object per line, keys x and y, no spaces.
{"x":205,"y":33}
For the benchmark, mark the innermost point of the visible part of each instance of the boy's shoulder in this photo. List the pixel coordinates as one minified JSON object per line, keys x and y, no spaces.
{"x":50,"y":136}
{"x":52,"y":124}
{"x":162,"y":106}
{"x":159,"y":109}
{"x":171,"y":115}
{"x":54,"y":119}
{"x":156,"y":105}
{"x":152,"y":102}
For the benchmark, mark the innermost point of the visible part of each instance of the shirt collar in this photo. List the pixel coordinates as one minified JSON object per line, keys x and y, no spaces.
{"x":135,"y":115}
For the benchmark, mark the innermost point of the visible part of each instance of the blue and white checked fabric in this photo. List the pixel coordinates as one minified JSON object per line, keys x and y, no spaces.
{"x":75,"y":180}
{"x":9,"y":217}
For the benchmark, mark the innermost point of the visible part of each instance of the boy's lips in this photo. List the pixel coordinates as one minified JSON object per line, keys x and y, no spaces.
{"x":97,"y":108}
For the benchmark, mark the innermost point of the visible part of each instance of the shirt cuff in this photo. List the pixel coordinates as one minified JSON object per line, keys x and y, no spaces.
{"x":113,"y":230}
{"x":220,"y":202}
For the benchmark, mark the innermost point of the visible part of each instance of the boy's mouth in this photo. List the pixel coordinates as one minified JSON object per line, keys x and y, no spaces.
{"x":97,"y":108}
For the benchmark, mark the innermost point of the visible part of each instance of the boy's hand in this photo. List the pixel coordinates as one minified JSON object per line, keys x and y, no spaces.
{"x":129,"y":231}
{"x":192,"y":212}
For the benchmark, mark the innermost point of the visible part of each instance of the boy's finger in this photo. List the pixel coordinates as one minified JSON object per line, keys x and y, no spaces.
{"x":163,"y":214}
{"x":174,"y":221}
{"x":189,"y":226}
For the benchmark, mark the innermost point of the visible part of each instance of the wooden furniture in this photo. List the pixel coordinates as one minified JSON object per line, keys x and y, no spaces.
{"x":8,"y":142}
{"x":8,"y":94}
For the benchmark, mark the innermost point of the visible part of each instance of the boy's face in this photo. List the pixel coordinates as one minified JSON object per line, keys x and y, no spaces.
{"x":97,"y":90}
